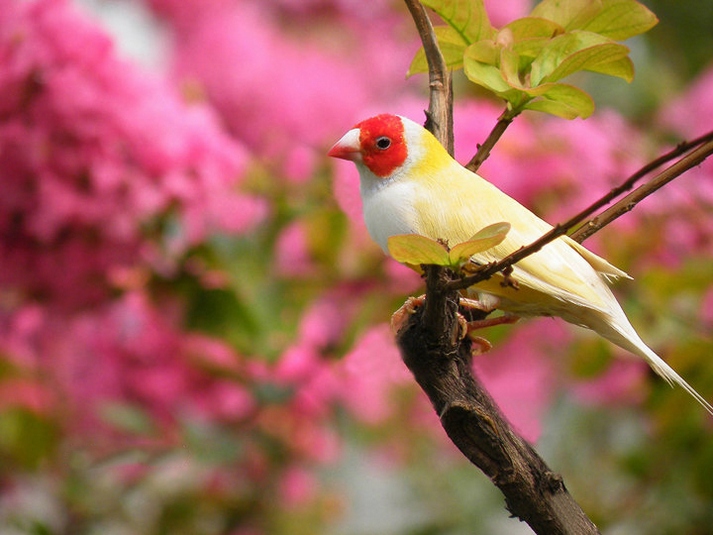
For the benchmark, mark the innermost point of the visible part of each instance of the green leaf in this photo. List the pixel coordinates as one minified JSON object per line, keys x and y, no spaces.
{"x":562,"y":100}
{"x":621,"y":19}
{"x":467,"y":17}
{"x":622,"y":68}
{"x":486,"y":75}
{"x":572,"y":52}
{"x":452,"y":47}
{"x":510,"y":68}
{"x":529,"y":35}
{"x":533,"y":28}
{"x":487,"y":238}
{"x":571,"y":14}
{"x":415,"y":249}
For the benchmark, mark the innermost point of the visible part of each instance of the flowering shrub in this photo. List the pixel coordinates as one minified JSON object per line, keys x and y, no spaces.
{"x":194,"y":323}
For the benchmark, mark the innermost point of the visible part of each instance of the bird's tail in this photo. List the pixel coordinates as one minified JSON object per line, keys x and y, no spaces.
{"x":619,"y":331}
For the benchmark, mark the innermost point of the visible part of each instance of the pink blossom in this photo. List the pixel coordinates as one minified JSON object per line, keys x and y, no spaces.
{"x":293,"y":252}
{"x":282,"y":120}
{"x":97,"y":156}
{"x":371,"y":371}
{"x":621,"y":384}
{"x":26,"y":394}
{"x":684,"y":207}
{"x":298,"y":486}
{"x":519,"y":373}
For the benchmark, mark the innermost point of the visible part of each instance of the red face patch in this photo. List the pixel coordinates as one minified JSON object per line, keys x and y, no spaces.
{"x":382,"y":143}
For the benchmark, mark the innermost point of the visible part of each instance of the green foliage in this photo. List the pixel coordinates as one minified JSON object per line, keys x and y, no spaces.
{"x":524,"y":61}
{"x":416,"y":250}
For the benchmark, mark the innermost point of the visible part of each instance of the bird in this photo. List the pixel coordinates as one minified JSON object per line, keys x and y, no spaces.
{"x":410,"y":184}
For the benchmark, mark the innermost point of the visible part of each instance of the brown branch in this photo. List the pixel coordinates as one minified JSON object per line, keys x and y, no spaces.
{"x":472,"y":420}
{"x":439,"y":358}
{"x":495,"y":134}
{"x":627,"y":203}
{"x":440,"y":107}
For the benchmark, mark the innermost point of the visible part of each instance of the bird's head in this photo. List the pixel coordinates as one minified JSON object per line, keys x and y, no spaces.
{"x":385,"y":145}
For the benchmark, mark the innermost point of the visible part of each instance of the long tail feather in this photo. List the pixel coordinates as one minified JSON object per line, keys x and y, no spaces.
{"x":623,"y":334}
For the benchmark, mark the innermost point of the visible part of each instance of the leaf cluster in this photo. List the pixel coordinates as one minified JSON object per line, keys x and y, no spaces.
{"x":416,"y":250}
{"x":524,"y":61}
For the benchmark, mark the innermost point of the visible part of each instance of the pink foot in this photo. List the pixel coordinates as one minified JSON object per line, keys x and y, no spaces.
{"x":400,"y":317}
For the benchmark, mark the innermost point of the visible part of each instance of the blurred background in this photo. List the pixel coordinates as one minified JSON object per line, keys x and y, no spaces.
{"x":194,"y":323}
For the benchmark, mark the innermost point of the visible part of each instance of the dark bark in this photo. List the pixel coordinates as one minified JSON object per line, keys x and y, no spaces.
{"x":441,"y":364}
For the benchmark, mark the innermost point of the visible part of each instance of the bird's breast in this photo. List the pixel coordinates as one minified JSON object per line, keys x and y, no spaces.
{"x":389,"y":210}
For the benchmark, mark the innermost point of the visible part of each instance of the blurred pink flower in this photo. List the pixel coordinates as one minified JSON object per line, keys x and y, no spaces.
{"x":685,"y":205}
{"x":370,"y":372}
{"x":520,"y":375}
{"x":297,"y":486}
{"x":290,"y":91}
{"x":622,"y":383}
{"x":98,"y":159}
{"x":293,"y":258}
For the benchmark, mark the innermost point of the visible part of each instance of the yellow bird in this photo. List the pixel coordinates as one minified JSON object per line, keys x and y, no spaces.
{"x":410,"y":185}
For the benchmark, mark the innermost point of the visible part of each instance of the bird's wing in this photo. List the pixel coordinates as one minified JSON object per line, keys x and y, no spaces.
{"x":563,"y":269}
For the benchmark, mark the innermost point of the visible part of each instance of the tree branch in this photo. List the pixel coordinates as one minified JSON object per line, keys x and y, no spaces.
{"x":626,"y":204}
{"x":440,"y":360}
{"x":594,"y":225}
{"x":440,"y":107}
{"x":476,"y":426}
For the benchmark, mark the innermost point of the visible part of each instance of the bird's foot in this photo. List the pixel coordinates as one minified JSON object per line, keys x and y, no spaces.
{"x":483,"y":306}
{"x":490,"y":322}
{"x":401,"y":316}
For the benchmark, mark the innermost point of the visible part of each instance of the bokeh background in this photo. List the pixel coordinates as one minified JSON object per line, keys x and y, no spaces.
{"x":194,"y":324}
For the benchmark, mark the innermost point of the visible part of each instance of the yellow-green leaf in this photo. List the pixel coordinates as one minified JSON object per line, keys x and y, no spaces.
{"x":452,"y":47}
{"x":621,"y":19}
{"x":532,"y":28}
{"x":571,"y":14}
{"x":467,"y":17}
{"x":562,"y":100}
{"x":510,"y":67}
{"x":415,"y":249}
{"x":572,"y":52}
{"x":487,"y":238}
{"x":622,"y":68}
{"x":485,"y":74}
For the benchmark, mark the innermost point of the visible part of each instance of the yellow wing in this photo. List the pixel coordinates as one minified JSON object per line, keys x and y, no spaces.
{"x":457,"y":203}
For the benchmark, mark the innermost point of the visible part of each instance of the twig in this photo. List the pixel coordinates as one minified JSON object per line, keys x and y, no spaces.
{"x":606,"y":217}
{"x":440,"y":106}
{"x":495,"y":134}
{"x":627,"y":203}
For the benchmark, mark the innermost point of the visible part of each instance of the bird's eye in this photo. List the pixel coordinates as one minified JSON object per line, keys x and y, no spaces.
{"x":383,"y":142}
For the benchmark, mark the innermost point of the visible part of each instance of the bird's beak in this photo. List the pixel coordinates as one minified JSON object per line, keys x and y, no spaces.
{"x":347,"y":148}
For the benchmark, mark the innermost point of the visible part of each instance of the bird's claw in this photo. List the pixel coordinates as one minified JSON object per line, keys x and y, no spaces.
{"x":401,"y":316}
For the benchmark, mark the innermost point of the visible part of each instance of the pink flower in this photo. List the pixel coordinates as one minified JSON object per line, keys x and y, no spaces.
{"x":519,"y":373}
{"x":621,"y":384}
{"x":293,"y":253}
{"x":298,"y":486}
{"x":371,"y":371}
{"x":287,"y":123}
{"x":100,"y":159}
